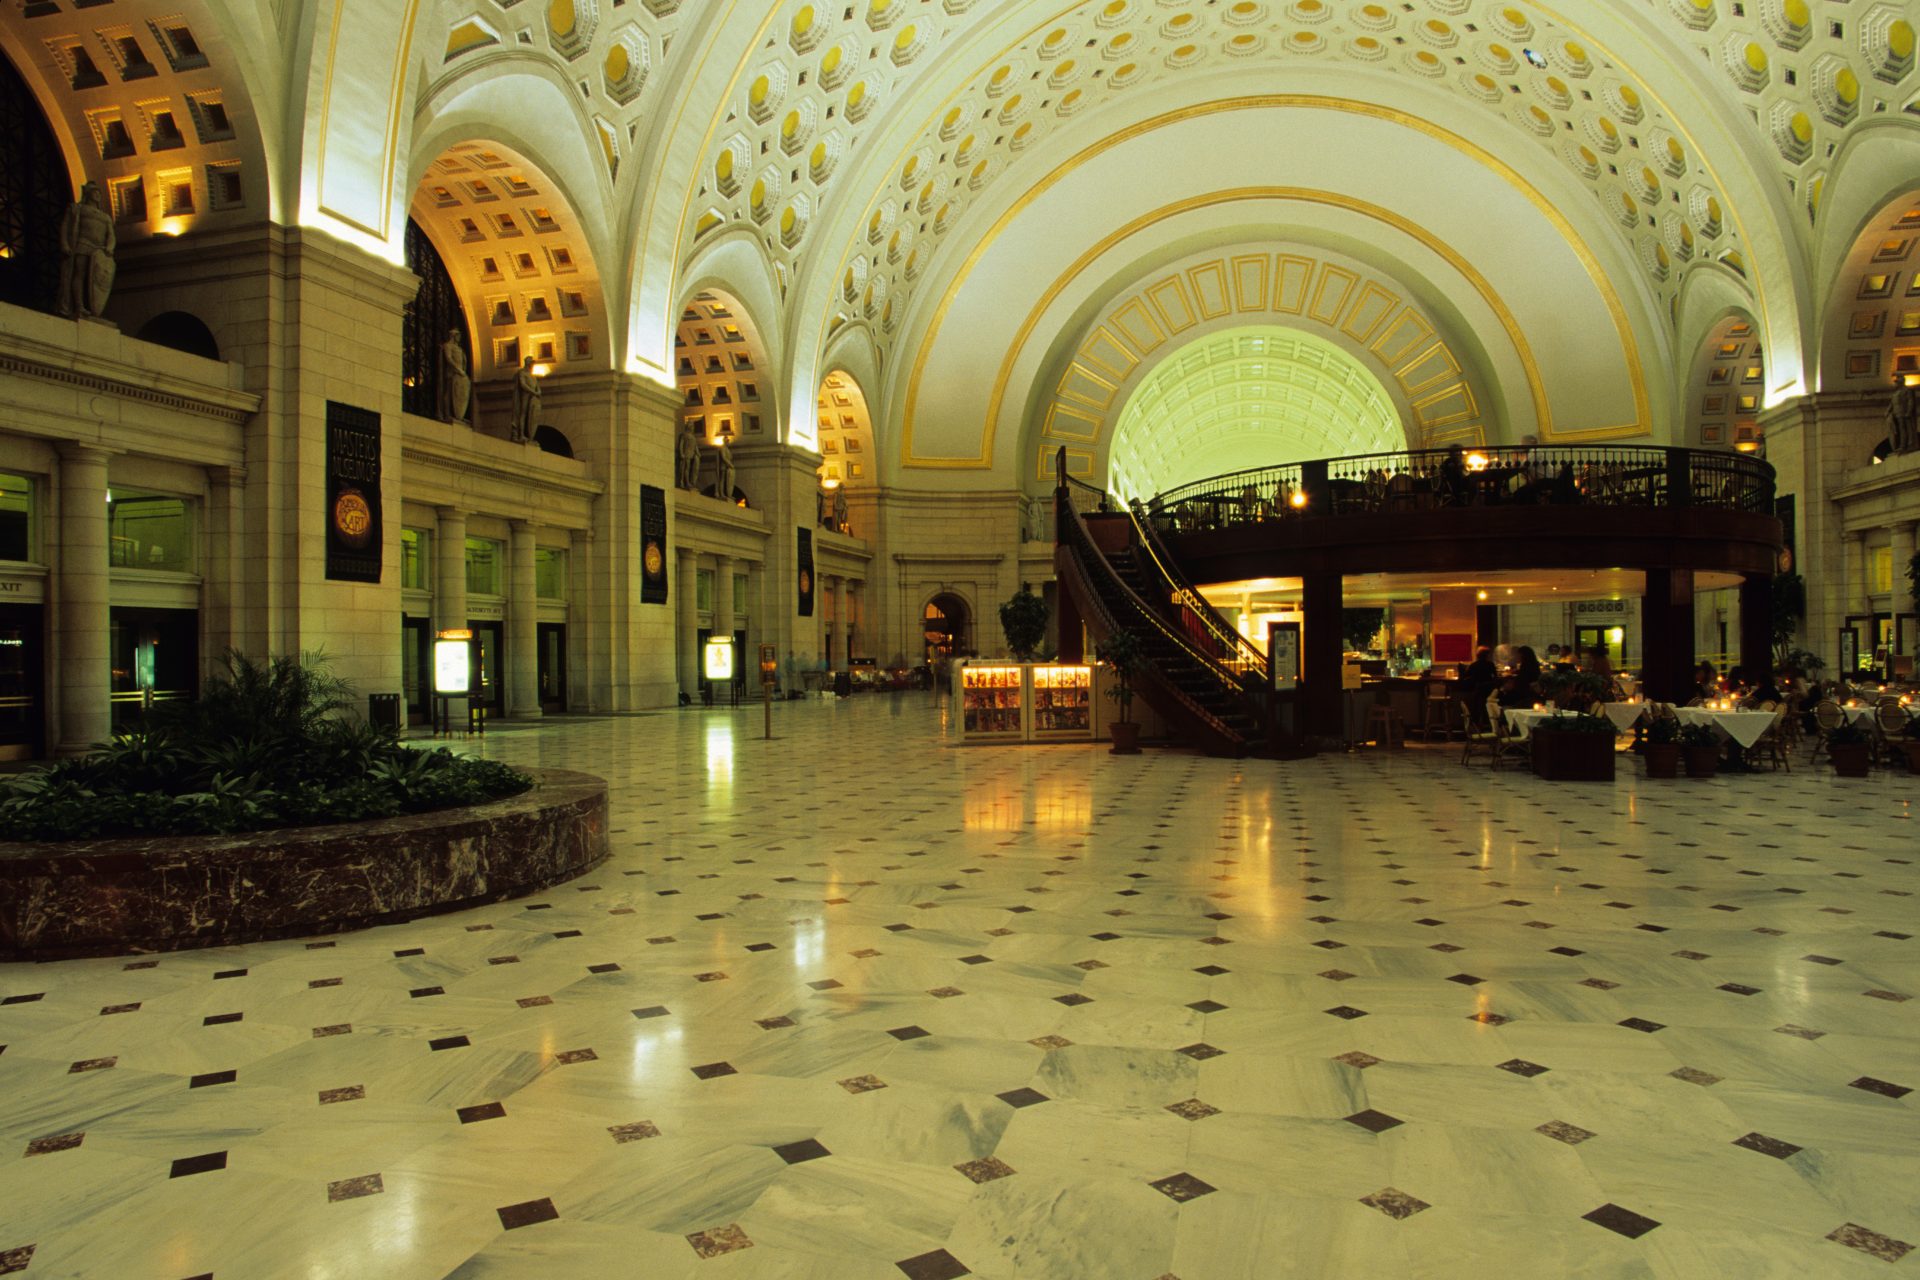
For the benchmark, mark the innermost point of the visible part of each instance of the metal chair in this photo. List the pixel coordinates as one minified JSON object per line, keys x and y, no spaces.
{"x":1827,"y":716}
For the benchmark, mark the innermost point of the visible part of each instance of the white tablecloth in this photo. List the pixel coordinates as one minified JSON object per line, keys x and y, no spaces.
{"x":1867,"y":717}
{"x":1744,"y":727}
{"x":1524,"y":720}
{"x":1624,"y":714}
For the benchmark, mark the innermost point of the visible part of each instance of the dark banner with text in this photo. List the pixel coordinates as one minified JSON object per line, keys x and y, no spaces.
{"x":353,"y":494}
{"x":806,"y":573}
{"x":653,"y":545}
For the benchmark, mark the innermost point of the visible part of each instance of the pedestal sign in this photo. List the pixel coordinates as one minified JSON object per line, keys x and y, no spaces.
{"x":769,"y":676}
{"x":452,"y":673}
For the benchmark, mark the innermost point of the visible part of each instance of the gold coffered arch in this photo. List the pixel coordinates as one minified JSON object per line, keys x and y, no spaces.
{"x":1371,"y":318}
{"x":1569,"y":235}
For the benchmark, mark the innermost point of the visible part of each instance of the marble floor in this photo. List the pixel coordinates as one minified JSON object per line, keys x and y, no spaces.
{"x":856,"y":1003}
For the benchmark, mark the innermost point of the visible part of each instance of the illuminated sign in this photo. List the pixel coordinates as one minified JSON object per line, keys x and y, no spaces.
{"x":719,"y":663}
{"x":452,"y":662}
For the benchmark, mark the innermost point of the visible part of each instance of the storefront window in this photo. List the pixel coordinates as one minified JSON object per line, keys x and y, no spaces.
{"x":483,"y":567}
{"x":149,"y":531}
{"x":16,"y":518}
{"x":413,"y":559}
{"x":550,"y":573}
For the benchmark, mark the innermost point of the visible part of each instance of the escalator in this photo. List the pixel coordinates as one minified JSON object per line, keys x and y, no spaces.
{"x":1199,"y":674}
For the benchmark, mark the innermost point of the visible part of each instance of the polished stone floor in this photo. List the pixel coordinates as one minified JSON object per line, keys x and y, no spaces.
{"x":856,"y":1003}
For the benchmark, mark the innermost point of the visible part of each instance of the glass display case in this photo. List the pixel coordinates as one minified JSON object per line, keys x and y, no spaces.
{"x":992,"y":702}
{"x":1023,"y":702}
{"x":1062,"y":702}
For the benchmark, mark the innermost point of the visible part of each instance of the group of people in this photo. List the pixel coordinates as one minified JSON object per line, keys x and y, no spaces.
{"x":1522,"y":480}
{"x":1519,"y":682}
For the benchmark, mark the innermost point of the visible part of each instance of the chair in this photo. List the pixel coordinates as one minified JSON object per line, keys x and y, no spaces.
{"x":1436,"y":713}
{"x":1505,"y":741}
{"x":1384,"y":727}
{"x":1772,"y":744}
{"x":1827,"y":716}
{"x":1487,"y":739}
{"x":1890,"y":726}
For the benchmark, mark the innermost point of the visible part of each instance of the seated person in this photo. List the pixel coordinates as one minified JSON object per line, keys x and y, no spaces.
{"x":1565,"y":488}
{"x":1478,"y":681}
{"x":1513,"y":694}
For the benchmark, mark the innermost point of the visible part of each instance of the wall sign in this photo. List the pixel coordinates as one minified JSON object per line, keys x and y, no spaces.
{"x":653,"y":544}
{"x":806,"y":573}
{"x":1283,"y":655}
{"x":354,"y":549}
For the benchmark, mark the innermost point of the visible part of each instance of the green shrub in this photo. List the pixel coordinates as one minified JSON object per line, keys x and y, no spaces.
{"x":264,"y":747}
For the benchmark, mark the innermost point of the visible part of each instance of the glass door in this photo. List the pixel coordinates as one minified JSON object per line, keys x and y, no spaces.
{"x":488,"y":688}
{"x":416,"y":668}
{"x":156,"y":658}
{"x":553,"y":667}
{"x":23,"y":713}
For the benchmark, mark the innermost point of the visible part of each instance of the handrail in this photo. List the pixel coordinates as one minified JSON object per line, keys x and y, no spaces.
{"x":1426,"y":479}
{"x":1245,"y":660}
{"x":1073,"y":533}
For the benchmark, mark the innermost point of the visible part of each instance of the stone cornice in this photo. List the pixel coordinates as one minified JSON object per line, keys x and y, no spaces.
{"x":90,"y":357}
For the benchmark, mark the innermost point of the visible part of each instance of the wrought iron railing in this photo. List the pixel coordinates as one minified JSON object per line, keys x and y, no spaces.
{"x":1117,"y":602}
{"x":1203,"y":623}
{"x":1435,"y":479}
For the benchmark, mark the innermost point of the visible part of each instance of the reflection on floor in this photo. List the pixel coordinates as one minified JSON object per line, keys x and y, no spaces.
{"x":854,"y":1003}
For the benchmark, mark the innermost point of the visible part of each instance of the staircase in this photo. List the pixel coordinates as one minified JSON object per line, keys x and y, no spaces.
{"x":1199,"y":674}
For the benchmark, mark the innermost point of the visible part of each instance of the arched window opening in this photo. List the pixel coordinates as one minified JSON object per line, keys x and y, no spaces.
{"x":181,"y":331}
{"x":434,"y":312}
{"x":34,"y":194}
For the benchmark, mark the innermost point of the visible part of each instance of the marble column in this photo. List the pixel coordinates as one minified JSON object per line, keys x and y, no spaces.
{"x":1903,"y":545}
{"x":221,"y":622}
{"x":855,"y":598}
{"x":83,"y":674}
{"x":523,"y":619}
{"x":450,"y":570}
{"x":1323,"y":706}
{"x":838,"y":647}
{"x":688,"y":589}
{"x":580,"y":632}
{"x":722,"y":624}
{"x":755,"y":619}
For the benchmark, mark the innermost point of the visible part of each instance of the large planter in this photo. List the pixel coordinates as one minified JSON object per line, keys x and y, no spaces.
{"x":1663,"y":759}
{"x":1563,"y":756}
{"x":1701,"y":761}
{"x":111,"y":897}
{"x":1911,"y":746}
{"x":1850,"y":759}
{"x":1126,"y":737}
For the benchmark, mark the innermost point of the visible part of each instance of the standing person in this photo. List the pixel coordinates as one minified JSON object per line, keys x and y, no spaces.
{"x":1456,"y":487}
{"x":1478,"y":682}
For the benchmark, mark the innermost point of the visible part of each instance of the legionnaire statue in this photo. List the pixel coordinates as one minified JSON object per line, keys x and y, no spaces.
{"x":456,"y":383}
{"x":723,"y":473}
{"x":87,"y":242}
{"x":1903,"y":417}
{"x":688,"y":451}
{"x":526,"y":402}
{"x":826,"y":508}
{"x":840,"y":510}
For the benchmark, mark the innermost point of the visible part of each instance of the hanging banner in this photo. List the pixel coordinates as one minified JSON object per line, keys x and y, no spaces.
{"x":353,"y":494}
{"x":806,"y":573}
{"x":653,"y":544}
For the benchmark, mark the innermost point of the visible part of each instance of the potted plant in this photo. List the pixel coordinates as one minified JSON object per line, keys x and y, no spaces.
{"x":1574,"y":748}
{"x":1850,"y":750}
{"x":1662,"y":751}
{"x":1024,"y":619}
{"x":1121,"y":652}
{"x":1700,"y":748}
{"x":1910,"y":743}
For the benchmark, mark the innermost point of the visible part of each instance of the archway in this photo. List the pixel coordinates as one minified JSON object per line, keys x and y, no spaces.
{"x":1871,"y":334}
{"x":719,"y":362}
{"x":182,"y":331}
{"x":1249,"y":397}
{"x":947,"y":623}
{"x":847,"y":459}
{"x":1726,"y":387}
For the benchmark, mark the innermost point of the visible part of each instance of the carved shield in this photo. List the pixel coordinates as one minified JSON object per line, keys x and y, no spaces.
{"x":100,"y":280}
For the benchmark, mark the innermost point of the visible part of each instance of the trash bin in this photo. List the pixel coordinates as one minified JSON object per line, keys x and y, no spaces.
{"x":383,"y":711}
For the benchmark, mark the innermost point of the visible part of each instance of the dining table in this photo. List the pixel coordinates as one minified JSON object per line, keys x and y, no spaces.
{"x":1740,"y":727}
{"x":1623,"y":714}
{"x":1868,"y":717}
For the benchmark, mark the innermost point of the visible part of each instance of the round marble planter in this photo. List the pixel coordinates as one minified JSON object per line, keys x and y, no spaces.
{"x":111,"y":897}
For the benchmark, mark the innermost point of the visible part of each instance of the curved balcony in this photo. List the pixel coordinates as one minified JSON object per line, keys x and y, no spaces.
{"x":1547,"y":507}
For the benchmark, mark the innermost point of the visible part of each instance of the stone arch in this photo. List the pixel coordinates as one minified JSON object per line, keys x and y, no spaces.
{"x":1433,"y":381}
{"x":722,"y":371}
{"x":963,"y":627}
{"x":181,"y":331}
{"x":1726,"y":386}
{"x":1870,"y":319}
{"x":519,"y":254}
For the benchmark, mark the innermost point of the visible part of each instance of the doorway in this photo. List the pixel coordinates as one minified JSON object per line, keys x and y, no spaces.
{"x":23,"y":711}
{"x":552,"y":642}
{"x":155,"y":657}
{"x":487,"y":687}
{"x":1610,"y":640}
{"x":416,"y":668}
{"x":946,"y":626}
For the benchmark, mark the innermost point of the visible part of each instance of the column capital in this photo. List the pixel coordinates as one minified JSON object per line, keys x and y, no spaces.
{"x":84,"y":451}
{"x":450,"y":513}
{"x":518,"y":527}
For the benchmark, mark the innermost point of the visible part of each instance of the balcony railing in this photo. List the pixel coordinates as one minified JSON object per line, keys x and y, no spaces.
{"x":1440,"y":479}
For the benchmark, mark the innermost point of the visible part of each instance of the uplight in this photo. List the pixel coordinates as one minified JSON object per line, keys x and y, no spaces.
{"x":1299,"y":499}
{"x":1476,"y":462}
